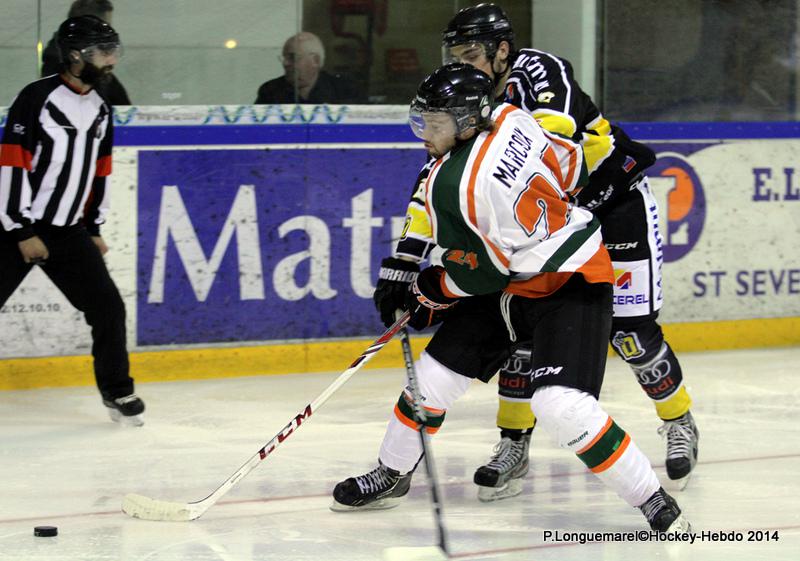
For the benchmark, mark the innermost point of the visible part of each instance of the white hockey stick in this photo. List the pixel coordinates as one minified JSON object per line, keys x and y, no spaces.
{"x":438,"y":552}
{"x":139,"y":506}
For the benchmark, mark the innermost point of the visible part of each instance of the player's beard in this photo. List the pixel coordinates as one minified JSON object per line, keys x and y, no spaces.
{"x":433,"y":152}
{"x":93,"y":75}
{"x":438,"y":150}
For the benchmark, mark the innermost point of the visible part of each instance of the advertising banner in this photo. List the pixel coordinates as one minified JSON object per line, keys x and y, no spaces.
{"x":270,"y":226}
{"x":730,"y":221}
{"x":255,"y":245}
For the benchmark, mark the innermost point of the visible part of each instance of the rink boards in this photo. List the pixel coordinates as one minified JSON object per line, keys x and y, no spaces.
{"x":247,"y":240}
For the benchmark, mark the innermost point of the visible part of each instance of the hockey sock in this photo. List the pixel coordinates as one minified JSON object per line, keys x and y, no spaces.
{"x":662,"y":380}
{"x":440,"y":387}
{"x":515,"y":415}
{"x":514,"y":392}
{"x":640,"y":342}
{"x":578,"y":423}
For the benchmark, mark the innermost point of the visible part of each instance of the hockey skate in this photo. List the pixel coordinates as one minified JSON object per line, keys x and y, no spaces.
{"x":127,"y":410}
{"x":501,"y":478}
{"x":682,"y":438}
{"x":378,"y":489}
{"x":664,"y":515}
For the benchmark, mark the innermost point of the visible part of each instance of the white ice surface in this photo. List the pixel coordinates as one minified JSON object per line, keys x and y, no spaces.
{"x":63,"y":463}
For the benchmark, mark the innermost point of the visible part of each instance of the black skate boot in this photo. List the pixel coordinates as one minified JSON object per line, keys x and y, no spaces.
{"x":126,"y":409}
{"x":663,"y":514}
{"x":682,"y":437}
{"x":502,"y":476}
{"x":378,"y":489}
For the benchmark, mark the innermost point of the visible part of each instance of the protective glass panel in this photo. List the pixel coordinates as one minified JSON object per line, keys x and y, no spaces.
{"x":683,"y":60}
{"x":203,"y":52}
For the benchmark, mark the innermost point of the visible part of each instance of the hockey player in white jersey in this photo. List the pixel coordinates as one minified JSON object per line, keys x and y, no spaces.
{"x":521,"y":266}
{"x":619,"y":195}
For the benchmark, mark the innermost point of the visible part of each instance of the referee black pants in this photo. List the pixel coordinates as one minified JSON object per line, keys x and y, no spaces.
{"x":76,"y":267}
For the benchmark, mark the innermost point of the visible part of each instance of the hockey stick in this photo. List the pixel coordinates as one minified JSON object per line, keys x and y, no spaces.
{"x":428,"y":553}
{"x":139,"y":506}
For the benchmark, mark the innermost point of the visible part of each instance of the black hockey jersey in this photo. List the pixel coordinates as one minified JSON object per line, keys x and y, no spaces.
{"x":54,"y":159}
{"x":544,"y":85}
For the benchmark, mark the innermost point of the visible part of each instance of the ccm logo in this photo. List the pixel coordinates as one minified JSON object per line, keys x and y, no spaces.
{"x":618,"y":246}
{"x":546,"y":371}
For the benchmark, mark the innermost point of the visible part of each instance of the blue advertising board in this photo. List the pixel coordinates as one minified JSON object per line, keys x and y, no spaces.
{"x":279,"y":237}
{"x":264,"y":244}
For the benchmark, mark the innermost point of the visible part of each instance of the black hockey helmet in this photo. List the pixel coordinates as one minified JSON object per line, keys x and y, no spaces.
{"x":459,"y":90}
{"x":486,"y":24}
{"x":82,"y":32}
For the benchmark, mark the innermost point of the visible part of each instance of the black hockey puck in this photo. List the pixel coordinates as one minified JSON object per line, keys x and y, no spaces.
{"x":45,"y":531}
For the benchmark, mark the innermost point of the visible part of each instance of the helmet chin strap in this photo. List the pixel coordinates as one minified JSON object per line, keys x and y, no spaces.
{"x":500,"y":76}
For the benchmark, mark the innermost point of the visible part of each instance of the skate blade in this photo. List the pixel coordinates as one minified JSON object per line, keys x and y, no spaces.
{"x":680,"y":526}
{"x":510,"y":489}
{"x":680,"y":483}
{"x":382,"y":504}
{"x":132,"y":421}
{"x":431,"y":553}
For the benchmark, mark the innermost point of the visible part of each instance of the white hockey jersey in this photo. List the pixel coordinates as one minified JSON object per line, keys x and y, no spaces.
{"x":498,"y":206}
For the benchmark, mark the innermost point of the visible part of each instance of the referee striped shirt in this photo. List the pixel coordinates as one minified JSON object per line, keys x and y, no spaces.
{"x":55,"y":158}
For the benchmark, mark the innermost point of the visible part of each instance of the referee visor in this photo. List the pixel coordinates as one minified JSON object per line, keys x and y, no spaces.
{"x":102,"y":53}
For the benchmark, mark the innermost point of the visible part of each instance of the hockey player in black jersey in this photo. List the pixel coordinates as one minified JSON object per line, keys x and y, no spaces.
{"x":618,"y":193}
{"x":54,"y":162}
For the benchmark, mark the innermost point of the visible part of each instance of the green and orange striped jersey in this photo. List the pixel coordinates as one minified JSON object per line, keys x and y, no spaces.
{"x":499,"y":209}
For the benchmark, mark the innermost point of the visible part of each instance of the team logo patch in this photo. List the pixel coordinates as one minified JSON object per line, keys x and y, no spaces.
{"x":545,"y":97}
{"x":623,"y":279}
{"x":627,"y":344}
{"x":685,"y":210}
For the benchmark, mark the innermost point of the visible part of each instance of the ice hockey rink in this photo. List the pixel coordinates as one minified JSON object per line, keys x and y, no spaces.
{"x":64,"y":464}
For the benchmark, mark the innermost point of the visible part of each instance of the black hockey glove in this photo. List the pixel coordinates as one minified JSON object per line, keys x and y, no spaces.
{"x":394,"y":278}
{"x":426,"y":301}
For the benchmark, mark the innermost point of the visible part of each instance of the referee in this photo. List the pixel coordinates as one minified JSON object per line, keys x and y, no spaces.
{"x":54,"y":164}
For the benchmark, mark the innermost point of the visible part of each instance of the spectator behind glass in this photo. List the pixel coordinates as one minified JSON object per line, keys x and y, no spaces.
{"x":302,"y":59}
{"x":112,"y":90}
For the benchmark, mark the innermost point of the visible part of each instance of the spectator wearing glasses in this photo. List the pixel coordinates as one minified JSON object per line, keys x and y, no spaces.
{"x":304,"y":80}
